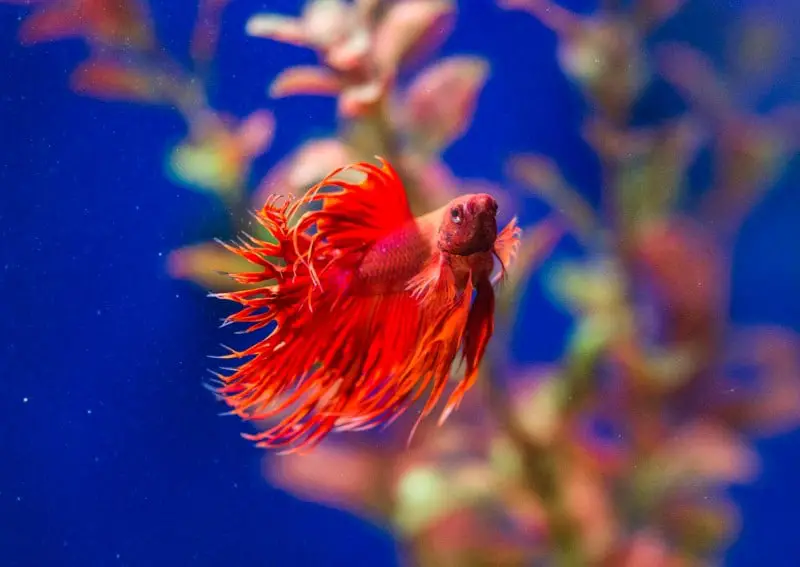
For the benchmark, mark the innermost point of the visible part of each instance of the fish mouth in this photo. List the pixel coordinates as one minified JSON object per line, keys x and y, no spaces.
{"x":474,"y":249}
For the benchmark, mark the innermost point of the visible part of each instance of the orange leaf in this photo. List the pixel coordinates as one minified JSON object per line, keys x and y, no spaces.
{"x":305,"y":80}
{"x":116,"y":22}
{"x":121,"y":23}
{"x":206,"y":30}
{"x":48,"y":25}
{"x":111,"y":80}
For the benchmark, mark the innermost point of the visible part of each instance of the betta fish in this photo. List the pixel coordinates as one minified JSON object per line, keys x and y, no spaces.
{"x":367,"y":306}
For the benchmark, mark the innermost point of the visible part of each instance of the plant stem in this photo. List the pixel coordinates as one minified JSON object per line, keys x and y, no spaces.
{"x":541,"y":465}
{"x":373,"y":135}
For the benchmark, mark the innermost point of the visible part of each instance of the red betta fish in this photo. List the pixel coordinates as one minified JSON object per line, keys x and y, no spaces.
{"x":367,"y":305}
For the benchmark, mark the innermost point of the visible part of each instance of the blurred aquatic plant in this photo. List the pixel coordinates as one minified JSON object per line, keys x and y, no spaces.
{"x":620,"y":452}
{"x":126,"y":62}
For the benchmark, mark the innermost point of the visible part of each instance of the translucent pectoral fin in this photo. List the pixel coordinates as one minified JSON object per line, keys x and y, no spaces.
{"x":436,"y":282}
{"x":506,"y":247}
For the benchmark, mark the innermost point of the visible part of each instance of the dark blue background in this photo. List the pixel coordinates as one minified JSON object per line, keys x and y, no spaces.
{"x":118,"y":456}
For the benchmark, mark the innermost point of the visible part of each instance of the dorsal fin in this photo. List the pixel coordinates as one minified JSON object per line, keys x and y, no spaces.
{"x":370,"y":208}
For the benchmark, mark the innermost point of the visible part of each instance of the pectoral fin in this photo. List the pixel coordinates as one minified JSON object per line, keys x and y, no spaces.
{"x":436,"y":282}
{"x":505,"y":248}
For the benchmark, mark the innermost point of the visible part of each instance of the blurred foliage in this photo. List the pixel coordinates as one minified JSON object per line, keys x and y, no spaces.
{"x":620,"y":453}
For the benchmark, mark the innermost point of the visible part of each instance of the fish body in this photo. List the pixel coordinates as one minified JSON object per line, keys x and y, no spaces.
{"x":369,"y":306}
{"x":397,"y":257}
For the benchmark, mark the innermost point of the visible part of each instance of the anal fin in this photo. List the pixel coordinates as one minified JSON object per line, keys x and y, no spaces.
{"x":478,"y":330}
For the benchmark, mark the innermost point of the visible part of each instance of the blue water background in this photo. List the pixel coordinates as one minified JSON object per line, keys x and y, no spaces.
{"x":111,"y":452}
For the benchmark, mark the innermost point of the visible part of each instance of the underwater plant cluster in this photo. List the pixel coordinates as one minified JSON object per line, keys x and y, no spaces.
{"x":620,"y":452}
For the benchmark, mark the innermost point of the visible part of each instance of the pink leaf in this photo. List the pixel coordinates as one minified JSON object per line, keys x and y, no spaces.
{"x":772,"y":404}
{"x":358,"y":99}
{"x":255,"y":133}
{"x":206,"y":30}
{"x":589,"y":503}
{"x":351,"y":53}
{"x":305,"y":80}
{"x":279,"y":28}
{"x":316,"y":159}
{"x":441,"y":102}
{"x":706,"y":450}
{"x":650,"y":13}
{"x":450,"y":534}
{"x":550,"y":14}
{"x":646,"y":550}
{"x":326,"y":22}
{"x":366,"y":8}
{"x":694,"y":76}
{"x":336,"y":475}
{"x":310,"y":163}
{"x":436,"y":180}
{"x":410,"y":29}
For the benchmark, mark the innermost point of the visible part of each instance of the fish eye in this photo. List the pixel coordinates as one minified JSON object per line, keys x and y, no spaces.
{"x":456,"y":215}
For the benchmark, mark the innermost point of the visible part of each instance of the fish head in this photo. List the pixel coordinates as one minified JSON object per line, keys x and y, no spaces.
{"x":469,"y":225}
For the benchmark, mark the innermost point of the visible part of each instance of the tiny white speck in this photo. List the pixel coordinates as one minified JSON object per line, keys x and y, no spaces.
{"x":24,"y":400}
{"x":19,"y":498}
{"x":117,"y":555}
{"x":160,"y":254}
{"x":89,"y":412}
